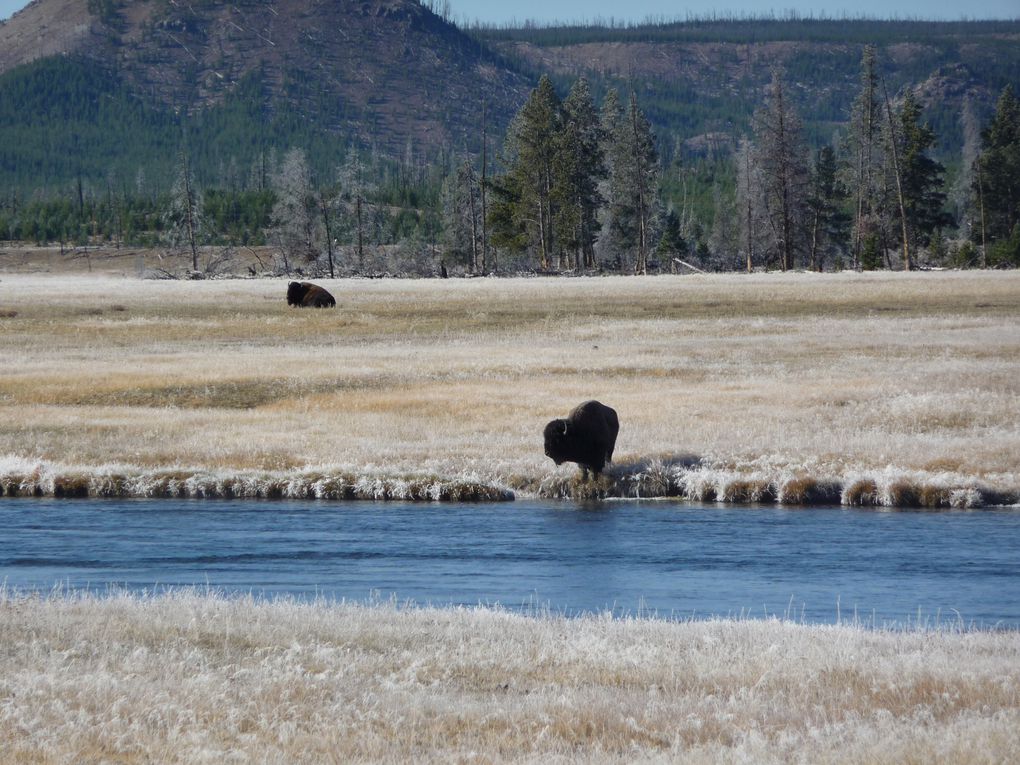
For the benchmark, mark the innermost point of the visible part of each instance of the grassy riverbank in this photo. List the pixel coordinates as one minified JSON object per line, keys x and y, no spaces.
{"x":193,"y":678}
{"x":886,"y":389}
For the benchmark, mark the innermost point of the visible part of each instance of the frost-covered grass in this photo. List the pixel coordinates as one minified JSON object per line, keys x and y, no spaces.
{"x":653,"y":479}
{"x":863,"y":388}
{"x":197,"y":678}
{"x":26,"y":478}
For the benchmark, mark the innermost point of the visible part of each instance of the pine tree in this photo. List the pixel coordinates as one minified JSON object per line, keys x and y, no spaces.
{"x":530,"y":154}
{"x":355,"y":189}
{"x":827,"y":219}
{"x":461,"y":216}
{"x":924,"y":196}
{"x":781,"y":158}
{"x":864,"y":143}
{"x":892,"y":142}
{"x":580,"y":165}
{"x":672,"y":244}
{"x":482,"y":189}
{"x":633,"y":180}
{"x":506,"y":230}
{"x":997,"y":177}
{"x":871,"y":258}
{"x":610,"y":117}
{"x":723,"y":236}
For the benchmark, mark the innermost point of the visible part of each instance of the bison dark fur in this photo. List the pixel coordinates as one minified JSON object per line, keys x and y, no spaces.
{"x":587,"y":436}
{"x":306,"y":294}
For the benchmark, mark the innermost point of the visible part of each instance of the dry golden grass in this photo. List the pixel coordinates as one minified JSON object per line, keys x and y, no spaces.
{"x":883,"y":388}
{"x":908,"y":380}
{"x":194,"y":678}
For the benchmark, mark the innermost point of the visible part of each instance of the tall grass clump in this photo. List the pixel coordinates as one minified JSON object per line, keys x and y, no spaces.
{"x":806,"y":490}
{"x":861,"y":492}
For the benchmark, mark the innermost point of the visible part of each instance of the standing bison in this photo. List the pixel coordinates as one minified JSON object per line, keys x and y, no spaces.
{"x":587,"y":436}
{"x":308,"y":295}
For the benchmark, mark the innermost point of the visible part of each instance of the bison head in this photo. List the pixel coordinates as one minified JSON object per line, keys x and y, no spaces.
{"x":296,"y":293}
{"x":557,"y":443}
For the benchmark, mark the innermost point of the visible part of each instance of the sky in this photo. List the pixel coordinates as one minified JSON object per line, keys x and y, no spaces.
{"x":639,"y":10}
{"x":498,"y":11}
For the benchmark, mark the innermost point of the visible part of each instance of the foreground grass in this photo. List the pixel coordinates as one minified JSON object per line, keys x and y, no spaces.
{"x":199,"y":678}
{"x":861,"y":388}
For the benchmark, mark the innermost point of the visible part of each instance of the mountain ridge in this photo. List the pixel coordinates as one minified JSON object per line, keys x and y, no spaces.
{"x":387,"y":72}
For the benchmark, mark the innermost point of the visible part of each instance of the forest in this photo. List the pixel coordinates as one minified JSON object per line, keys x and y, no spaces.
{"x":582,"y":180}
{"x":582,"y":189}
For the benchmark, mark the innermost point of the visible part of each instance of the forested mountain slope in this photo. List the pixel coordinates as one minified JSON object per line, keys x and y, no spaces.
{"x":97,"y":89}
{"x":388,"y":74}
{"x":699,"y":82}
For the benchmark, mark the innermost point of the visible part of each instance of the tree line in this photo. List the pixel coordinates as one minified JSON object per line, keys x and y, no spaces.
{"x":368,"y":203}
{"x":577,"y":190}
{"x":581,"y":189}
{"x":577,"y":183}
{"x":876,"y":196}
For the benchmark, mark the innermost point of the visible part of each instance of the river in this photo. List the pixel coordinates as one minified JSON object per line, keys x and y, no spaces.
{"x":818,"y":565}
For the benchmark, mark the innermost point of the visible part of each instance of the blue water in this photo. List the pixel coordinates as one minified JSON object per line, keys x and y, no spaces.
{"x":672,"y":560}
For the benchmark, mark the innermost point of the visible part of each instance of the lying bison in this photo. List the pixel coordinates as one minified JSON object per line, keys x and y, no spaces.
{"x":308,"y":295}
{"x":587,"y":437}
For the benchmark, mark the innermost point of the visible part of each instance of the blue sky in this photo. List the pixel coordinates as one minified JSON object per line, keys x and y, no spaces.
{"x":637,"y":10}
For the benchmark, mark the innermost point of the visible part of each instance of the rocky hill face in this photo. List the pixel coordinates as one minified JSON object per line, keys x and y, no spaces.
{"x":45,"y":28}
{"x":388,"y":72}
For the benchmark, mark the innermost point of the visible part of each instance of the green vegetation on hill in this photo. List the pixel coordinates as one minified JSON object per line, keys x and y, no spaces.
{"x":820,"y":56}
{"x":63,"y":119}
{"x":85,"y":156}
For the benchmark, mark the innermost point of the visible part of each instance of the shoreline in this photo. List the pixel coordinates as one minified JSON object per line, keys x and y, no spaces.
{"x":938,"y":622}
{"x":891,"y":488}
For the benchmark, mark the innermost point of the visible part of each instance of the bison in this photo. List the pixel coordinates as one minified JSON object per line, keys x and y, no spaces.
{"x":587,"y":436}
{"x":306,"y":294}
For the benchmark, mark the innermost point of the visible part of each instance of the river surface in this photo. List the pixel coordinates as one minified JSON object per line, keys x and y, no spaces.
{"x":636,"y":558}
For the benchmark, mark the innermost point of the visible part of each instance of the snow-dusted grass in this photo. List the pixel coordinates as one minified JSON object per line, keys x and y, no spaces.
{"x":795,"y":387}
{"x":197,"y":678}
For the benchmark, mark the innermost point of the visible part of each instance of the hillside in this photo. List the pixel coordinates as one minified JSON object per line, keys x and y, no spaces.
{"x":387,"y":73}
{"x":701,"y":81}
{"x":103,"y":91}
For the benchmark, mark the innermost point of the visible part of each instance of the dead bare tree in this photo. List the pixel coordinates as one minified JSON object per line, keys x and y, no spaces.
{"x":782,"y":160}
{"x":894,"y":150}
{"x":184,"y":215}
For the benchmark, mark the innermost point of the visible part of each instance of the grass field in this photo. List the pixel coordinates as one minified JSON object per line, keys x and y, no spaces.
{"x":194,"y":678}
{"x":888,"y":389}
{"x":880,"y":388}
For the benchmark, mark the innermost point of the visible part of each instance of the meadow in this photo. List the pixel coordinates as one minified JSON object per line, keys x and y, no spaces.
{"x":891,"y":389}
{"x":191,"y":677}
{"x":883,"y":389}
